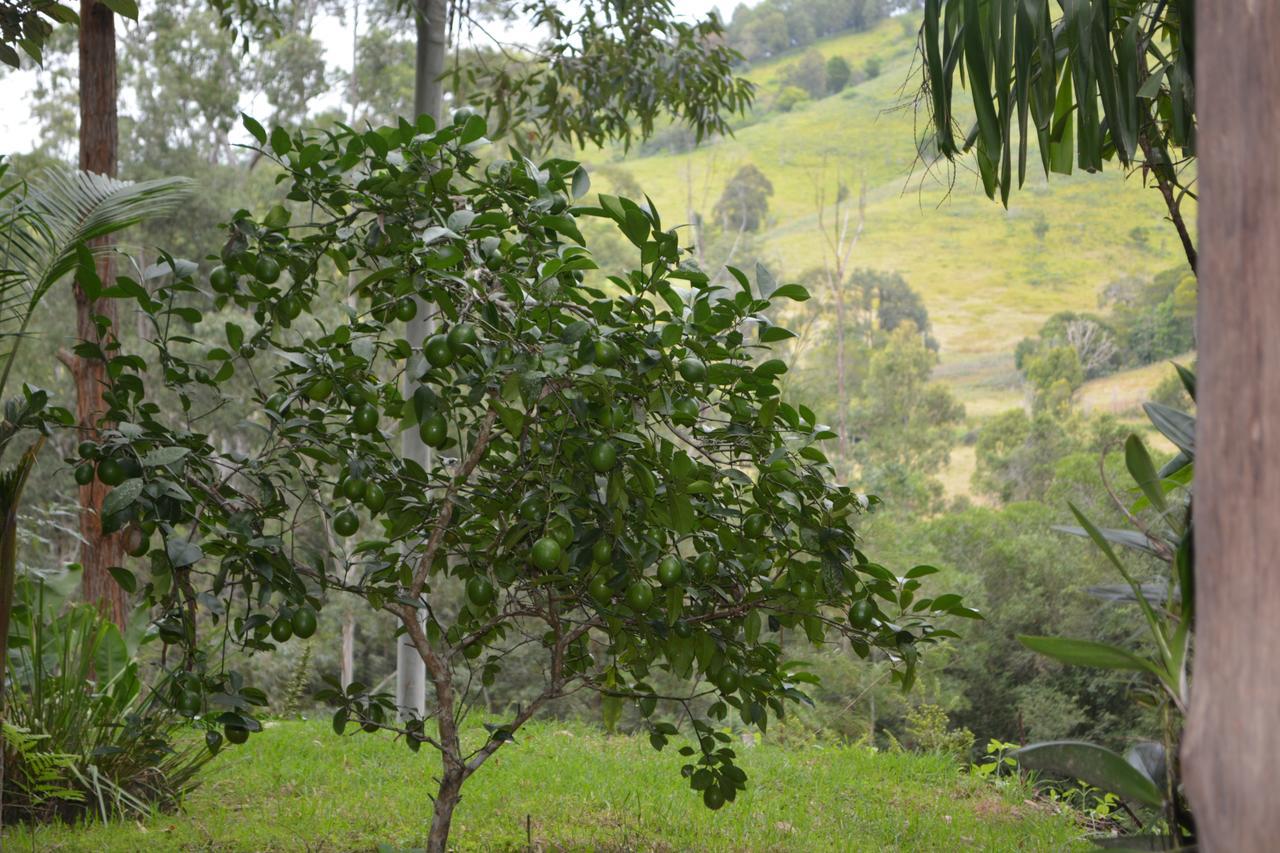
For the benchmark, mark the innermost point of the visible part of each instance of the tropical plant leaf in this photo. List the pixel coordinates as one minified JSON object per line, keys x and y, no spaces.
{"x":1085,"y":653}
{"x":1094,"y":764}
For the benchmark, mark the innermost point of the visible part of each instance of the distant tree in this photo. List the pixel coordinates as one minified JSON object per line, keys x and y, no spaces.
{"x":838,"y":74}
{"x":744,"y":204}
{"x":892,"y":302}
{"x":809,"y":73}
{"x":789,"y":98}
{"x":871,"y":67}
{"x":1016,"y":454}
{"x":904,"y":422}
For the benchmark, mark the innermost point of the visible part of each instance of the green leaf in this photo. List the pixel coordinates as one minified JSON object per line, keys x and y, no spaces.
{"x":181,"y":552}
{"x":255,"y":129}
{"x":1085,"y":653}
{"x":122,"y":496}
{"x":126,"y":8}
{"x":1178,"y":427}
{"x":164,"y":456}
{"x":124,"y":578}
{"x":277,"y":217}
{"x":791,"y":291}
{"x":1094,"y":764}
{"x":1143,"y":470}
{"x":280,"y":143}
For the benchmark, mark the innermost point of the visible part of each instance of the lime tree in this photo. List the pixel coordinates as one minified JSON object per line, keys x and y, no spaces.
{"x":616,"y":474}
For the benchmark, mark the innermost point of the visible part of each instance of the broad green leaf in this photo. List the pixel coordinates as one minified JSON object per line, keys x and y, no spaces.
{"x":1094,"y":764}
{"x":1085,"y":653}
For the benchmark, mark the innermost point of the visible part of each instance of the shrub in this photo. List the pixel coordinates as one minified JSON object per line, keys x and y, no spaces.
{"x":82,"y":738}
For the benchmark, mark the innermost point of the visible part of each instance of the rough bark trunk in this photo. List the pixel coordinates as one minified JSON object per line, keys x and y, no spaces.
{"x":447,"y":798}
{"x":1232,"y":737}
{"x":348,"y":647}
{"x":98,"y":140}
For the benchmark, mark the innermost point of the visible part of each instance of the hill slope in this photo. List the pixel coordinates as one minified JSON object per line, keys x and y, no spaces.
{"x":988,"y":276}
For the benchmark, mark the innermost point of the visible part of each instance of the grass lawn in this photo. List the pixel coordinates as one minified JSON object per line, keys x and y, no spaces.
{"x":299,"y":787}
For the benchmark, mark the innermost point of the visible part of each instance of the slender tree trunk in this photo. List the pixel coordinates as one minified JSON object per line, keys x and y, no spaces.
{"x":1233,"y":737}
{"x":447,"y":798}
{"x":98,"y":139}
{"x":428,"y":99}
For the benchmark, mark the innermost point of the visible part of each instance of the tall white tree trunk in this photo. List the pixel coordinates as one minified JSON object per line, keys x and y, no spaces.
{"x":428,"y":99}
{"x":1233,"y":732}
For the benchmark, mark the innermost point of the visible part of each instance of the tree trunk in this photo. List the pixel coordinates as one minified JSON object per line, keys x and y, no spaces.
{"x":348,"y":647}
{"x":98,"y":135}
{"x":1232,"y":737}
{"x":428,"y":98}
{"x":447,"y":798}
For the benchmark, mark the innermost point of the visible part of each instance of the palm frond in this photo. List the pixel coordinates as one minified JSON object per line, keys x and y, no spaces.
{"x":45,"y":231}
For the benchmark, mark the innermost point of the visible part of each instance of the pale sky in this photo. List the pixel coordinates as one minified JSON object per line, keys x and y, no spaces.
{"x":18,"y":131}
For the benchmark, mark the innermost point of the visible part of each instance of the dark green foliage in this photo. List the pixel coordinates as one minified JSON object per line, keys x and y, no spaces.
{"x":1087,"y":81}
{"x":83,"y":738}
{"x":838,"y":74}
{"x":893,"y":302}
{"x":809,"y":73}
{"x":744,"y":204}
{"x":497,"y":247}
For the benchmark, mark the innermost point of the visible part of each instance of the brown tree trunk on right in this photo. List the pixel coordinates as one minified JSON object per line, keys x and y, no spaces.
{"x":98,"y":140}
{"x":1233,"y":729}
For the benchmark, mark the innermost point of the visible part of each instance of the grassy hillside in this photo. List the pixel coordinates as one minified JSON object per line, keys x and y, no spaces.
{"x":570,"y":787}
{"x":987,"y":277}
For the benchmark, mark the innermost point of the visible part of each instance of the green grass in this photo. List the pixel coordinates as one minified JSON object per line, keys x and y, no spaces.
{"x":985,"y":276}
{"x":299,"y":787}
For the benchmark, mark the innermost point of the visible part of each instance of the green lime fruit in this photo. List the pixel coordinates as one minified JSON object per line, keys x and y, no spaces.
{"x":236,"y":734}
{"x":222,"y":281}
{"x":705,"y":565}
{"x":84,"y":473}
{"x":600,"y":590}
{"x":561,"y":530}
{"x":111,"y":472}
{"x":693,"y":369}
{"x":433,"y":431}
{"x":712,"y":798}
{"x":603,"y":456}
{"x":602,"y":550}
{"x":136,"y":542}
{"x":670,"y":571}
{"x":131,"y":466}
{"x":189,"y":703}
{"x":479,"y":591}
{"x":685,"y":411}
{"x":532,"y":508}
{"x":406,"y":310}
{"x":861,"y":613}
{"x":727,"y":680}
{"x":353,"y":488}
{"x":375,"y":497}
{"x":639,"y":596}
{"x":281,"y":629}
{"x":802,"y":590}
{"x":546,"y":553}
{"x":346,"y":523}
{"x":607,"y":353}
{"x":87,"y":449}
{"x":461,"y":337}
{"x":320,"y":389}
{"x":365,"y":418}
{"x":266,"y":270}
{"x":437,"y":351}
{"x":304,"y":622}
{"x":754,"y":524}
{"x":289,"y":308}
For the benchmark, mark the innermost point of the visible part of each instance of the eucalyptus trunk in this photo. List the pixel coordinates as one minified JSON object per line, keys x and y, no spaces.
{"x":1232,"y":736}
{"x":98,"y":140}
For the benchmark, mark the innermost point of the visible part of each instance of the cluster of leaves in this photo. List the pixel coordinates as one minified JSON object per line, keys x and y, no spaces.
{"x":608,"y":72}
{"x":614,"y":472}
{"x":1091,"y":82}
{"x":1147,"y":774}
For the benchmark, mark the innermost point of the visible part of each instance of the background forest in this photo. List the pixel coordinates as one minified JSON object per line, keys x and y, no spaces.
{"x":980,"y":366}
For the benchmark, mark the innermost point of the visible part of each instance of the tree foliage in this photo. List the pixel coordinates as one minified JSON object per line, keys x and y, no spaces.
{"x":744,"y":204}
{"x":616,"y":475}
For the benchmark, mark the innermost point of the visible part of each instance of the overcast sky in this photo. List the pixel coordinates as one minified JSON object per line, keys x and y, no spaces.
{"x":18,"y":131}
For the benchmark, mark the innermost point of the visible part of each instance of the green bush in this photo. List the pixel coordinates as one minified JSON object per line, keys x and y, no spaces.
{"x":83,"y":738}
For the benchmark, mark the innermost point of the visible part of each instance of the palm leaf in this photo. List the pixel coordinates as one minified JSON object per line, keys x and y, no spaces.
{"x":47,"y":230}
